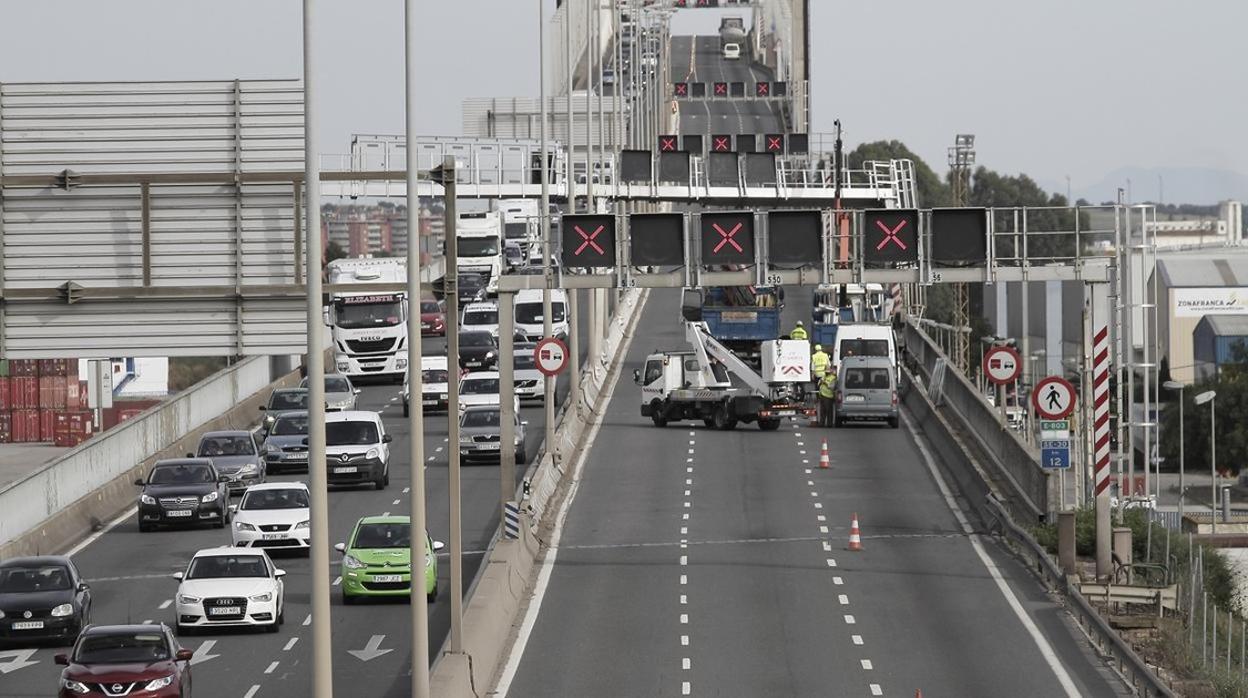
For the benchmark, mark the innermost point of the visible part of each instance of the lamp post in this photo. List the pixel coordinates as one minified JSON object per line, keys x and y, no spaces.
{"x":1175,"y":385}
{"x":1208,"y":396}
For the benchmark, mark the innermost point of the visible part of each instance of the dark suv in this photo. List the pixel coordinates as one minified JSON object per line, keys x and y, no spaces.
{"x":42,"y":598}
{"x":183,"y":491}
{"x":122,"y":660}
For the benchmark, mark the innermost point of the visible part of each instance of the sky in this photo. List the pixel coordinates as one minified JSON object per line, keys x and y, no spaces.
{"x":1050,"y":87}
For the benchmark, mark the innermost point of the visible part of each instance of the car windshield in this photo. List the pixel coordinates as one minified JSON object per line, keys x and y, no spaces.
{"x":515,"y":231}
{"x":531,"y":313}
{"x":227,"y":446}
{"x":864,"y":347}
{"x":433,"y":375}
{"x":472,"y":281}
{"x":197,"y":474}
{"x":481,"y":317}
{"x":383,"y":535}
{"x":479,"y":386}
{"x":17,"y":580}
{"x":361,"y":315}
{"x":480,"y":418}
{"x":476,"y":339}
{"x":291,"y":426}
{"x":227,"y":567}
{"x":867,"y":378}
{"x":337,"y":384}
{"x":290,"y":498}
{"x":289,"y":400}
{"x":122,"y":648}
{"x":478,"y":247}
{"x":523,"y":359}
{"x":430,"y":307}
{"x":350,"y":433}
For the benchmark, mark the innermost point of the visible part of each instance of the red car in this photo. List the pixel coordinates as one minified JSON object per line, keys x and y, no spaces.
{"x":120,"y":660}
{"x":432,"y":319}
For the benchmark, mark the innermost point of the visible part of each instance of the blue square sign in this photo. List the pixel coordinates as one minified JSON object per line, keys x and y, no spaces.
{"x":1055,"y":458}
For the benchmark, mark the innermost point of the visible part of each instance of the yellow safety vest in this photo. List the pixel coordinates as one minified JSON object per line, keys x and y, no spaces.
{"x":798,"y":333}
{"x":827,"y":386}
{"x":819,"y":363}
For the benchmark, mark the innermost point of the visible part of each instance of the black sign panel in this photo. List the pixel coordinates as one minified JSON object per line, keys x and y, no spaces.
{"x":760,"y":169}
{"x":799,"y":143}
{"x":890,"y":236}
{"x":721,"y":143}
{"x":657,"y":239}
{"x":762,"y":89}
{"x":959,"y":236}
{"x":779,"y":89}
{"x":697,"y":89}
{"x":680,"y":89}
{"x":736,"y":89}
{"x":588,"y":241}
{"x":721,"y":169}
{"x":795,"y":237}
{"x":728,"y":238}
{"x":635,"y":165}
{"x":693,"y":142}
{"x":773,"y":143}
{"x":669,"y":144}
{"x":747,"y":143}
{"x":674,"y":167}
{"x":719,"y":89}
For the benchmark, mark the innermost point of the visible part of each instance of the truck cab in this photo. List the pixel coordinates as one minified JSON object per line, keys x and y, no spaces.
{"x":479,"y":246}
{"x":369,"y":330}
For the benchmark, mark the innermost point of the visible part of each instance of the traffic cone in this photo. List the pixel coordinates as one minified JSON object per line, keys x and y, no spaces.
{"x":824,"y":462}
{"x":855,"y":537}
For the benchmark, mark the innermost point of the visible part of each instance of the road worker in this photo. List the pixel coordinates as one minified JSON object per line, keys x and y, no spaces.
{"x":799,"y":332}
{"x":827,"y":395}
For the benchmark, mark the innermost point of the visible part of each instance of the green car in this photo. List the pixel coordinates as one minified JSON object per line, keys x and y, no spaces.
{"x":376,"y":560}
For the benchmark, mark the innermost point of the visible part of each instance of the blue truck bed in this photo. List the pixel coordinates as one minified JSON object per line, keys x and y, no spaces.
{"x":732,"y":323}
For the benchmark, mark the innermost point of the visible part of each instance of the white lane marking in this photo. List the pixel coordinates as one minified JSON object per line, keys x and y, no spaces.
{"x":686,"y":491}
{"x":438,"y":449}
{"x":685,"y":688}
{"x":1046,"y":650}
{"x":810,"y":483}
{"x":407,"y":490}
{"x":688,"y":481}
{"x":684,"y":530}
{"x":690,"y":440}
{"x":838,"y":581}
{"x":827,"y":546}
{"x":866,"y":664}
{"x":806,"y":462}
{"x":273,"y":666}
{"x":684,"y":579}
{"x":814,"y":494}
{"x":856,"y":639}
{"x":849,"y":620}
{"x":201,"y":652}
{"x":684,"y":600}
{"x":685,"y":517}
{"x":692,"y":433}
{"x":691,"y":450}
{"x":796,"y":433}
{"x":823,"y":529}
{"x":308,"y":620}
{"x":684,"y":619}
{"x":252,"y":691}
{"x":147,"y":622}
{"x":799,"y":443}
{"x":818,"y":505}
{"x":831,"y":562}
{"x":290,"y":643}
{"x":808,"y":470}
{"x":842,"y":598}
{"x":684,"y":559}
{"x":684,"y":661}
{"x":165,"y":604}
{"x":820,"y":517}
{"x":801,"y":453}
{"x":431,"y":458}
{"x":688,"y":460}
{"x":689,"y":469}
{"x":684,"y":640}
{"x":686,"y":505}
{"x":107,"y":527}
{"x":396,"y":502}
{"x":337,"y":581}
{"x":876,"y":690}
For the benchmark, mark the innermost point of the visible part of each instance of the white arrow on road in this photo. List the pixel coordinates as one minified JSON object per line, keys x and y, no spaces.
{"x":201,"y":652}
{"x":370,"y":650}
{"x":18,"y":659}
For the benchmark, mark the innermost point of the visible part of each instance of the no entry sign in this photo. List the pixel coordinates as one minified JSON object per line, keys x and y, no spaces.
{"x":551,"y":356}
{"x":1002,"y":365}
{"x":1053,"y":398}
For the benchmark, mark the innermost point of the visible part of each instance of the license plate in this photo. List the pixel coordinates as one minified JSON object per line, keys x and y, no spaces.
{"x":487,"y":447}
{"x":176,"y":513}
{"x":387,"y":578}
{"x":28,"y":625}
{"x":224,"y":611}
{"x":346,"y":469}
{"x":854,"y":398}
{"x":430,"y":402}
{"x":784,"y":413}
{"x":295,"y":456}
{"x":273,"y":536}
{"x":472,"y":363}
{"x":425,"y":326}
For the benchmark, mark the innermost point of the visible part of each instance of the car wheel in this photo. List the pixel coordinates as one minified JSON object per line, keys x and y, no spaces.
{"x":723,"y":421}
{"x":144,"y":527}
{"x":894,"y":422}
{"x":183,"y":630}
{"x":405,"y":407}
{"x":656,"y":414}
{"x":520,"y":457}
{"x":433,"y":595}
{"x":710,"y":423}
{"x":768,"y":424}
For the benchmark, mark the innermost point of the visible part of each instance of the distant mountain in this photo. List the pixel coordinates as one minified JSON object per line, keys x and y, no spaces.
{"x":1186,"y":185}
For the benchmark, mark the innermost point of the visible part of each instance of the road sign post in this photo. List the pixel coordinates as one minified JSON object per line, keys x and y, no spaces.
{"x":551,"y":356}
{"x":1053,"y":398}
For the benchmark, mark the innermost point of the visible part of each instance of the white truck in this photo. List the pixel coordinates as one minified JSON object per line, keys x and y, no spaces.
{"x":479,"y":246}
{"x":521,"y":222}
{"x":369,"y":330}
{"x":697,"y":384}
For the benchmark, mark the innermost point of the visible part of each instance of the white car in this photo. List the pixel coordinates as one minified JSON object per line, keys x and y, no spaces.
{"x":480,"y":317}
{"x":272,"y":515}
{"x":229,"y":587}
{"x":480,"y":388}
{"x":530,"y":382}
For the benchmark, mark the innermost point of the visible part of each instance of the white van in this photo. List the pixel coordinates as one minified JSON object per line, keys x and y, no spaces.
{"x":864,"y":340}
{"x":732,"y":52}
{"x":528,"y":314}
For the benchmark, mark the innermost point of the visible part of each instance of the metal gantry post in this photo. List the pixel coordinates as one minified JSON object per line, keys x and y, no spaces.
{"x":506,"y":404}
{"x":455,"y":643}
{"x":568,"y":68}
{"x":322,"y":654}
{"x":548,"y":382}
{"x":589,"y":110}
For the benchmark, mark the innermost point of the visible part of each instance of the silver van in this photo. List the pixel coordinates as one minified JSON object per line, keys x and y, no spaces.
{"x":866,"y":389}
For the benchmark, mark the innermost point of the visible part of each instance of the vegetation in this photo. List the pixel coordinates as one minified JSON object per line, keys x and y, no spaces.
{"x":185,"y":371}
{"x":1231,"y":426}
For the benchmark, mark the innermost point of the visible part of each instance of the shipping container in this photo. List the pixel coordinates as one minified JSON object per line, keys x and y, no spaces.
{"x":6,"y":403}
{"x":72,"y":428}
{"x":75,"y":394}
{"x":52,"y":392}
{"x":25,"y":426}
{"x":6,"y":427}
{"x":47,"y":424}
{"x":23,"y":392}
{"x":53,"y":367}
{"x":23,"y":367}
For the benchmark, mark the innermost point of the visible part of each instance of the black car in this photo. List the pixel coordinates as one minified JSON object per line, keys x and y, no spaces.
{"x":42,"y":598}
{"x":472,"y":288}
{"x":183,"y":491}
{"x":477,"y":350}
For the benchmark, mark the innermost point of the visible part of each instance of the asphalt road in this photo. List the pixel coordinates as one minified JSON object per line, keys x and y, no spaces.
{"x":700,"y":562}
{"x":130,"y":577}
{"x":698,"y":59}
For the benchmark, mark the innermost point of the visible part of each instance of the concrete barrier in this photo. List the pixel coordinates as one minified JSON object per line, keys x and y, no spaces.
{"x":59,"y":504}
{"x":492,"y":613}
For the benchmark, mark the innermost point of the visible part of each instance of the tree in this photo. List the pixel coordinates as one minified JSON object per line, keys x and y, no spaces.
{"x":931,"y":189}
{"x":1231,"y":385}
{"x":991,"y":189}
{"x":334,"y":251}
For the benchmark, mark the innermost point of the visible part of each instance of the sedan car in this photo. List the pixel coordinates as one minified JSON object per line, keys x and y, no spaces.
{"x":229,"y":587}
{"x":126,"y":660}
{"x":340,"y":394}
{"x":183,"y":491}
{"x":286,"y":446}
{"x":282,"y":400}
{"x":530,"y":382}
{"x":235,"y":455}
{"x":480,"y":435}
{"x":274,"y":515}
{"x":376,"y":560}
{"x":432,"y":318}
{"x":477,"y":350}
{"x":481,"y":388}
{"x":42,"y":598}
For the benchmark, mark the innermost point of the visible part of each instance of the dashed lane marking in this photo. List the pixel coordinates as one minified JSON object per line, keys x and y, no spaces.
{"x":290,"y":644}
{"x":831,"y":562}
{"x":396,"y":502}
{"x":849,"y":620}
{"x":165,"y":604}
{"x":251,"y":691}
{"x":837,"y":581}
{"x":337,"y":581}
{"x":684,"y":663}
{"x":843,"y":599}
{"x":856,"y":639}
{"x":308,"y":620}
{"x":866,"y":664}
{"x":684,"y":640}
{"x":271,"y":667}
{"x":685,"y":688}
{"x":684,"y":619}
{"x":876,"y":690}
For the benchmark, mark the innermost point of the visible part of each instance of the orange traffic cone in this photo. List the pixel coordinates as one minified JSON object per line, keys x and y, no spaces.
{"x":824,"y":462}
{"x":855,"y":537}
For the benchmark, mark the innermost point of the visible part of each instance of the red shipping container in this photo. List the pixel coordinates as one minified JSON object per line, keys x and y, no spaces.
{"x":23,"y":392}
{"x":23,"y":367}
{"x":47,"y":424}
{"x":72,"y":428}
{"x":5,"y":401}
{"x":75,"y":394}
{"x":25,"y":426}
{"x":6,"y":427}
{"x":52,"y":392}
{"x":53,"y":367}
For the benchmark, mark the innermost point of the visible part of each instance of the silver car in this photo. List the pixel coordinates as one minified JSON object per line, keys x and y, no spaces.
{"x":235,"y":456}
{"x":340,"y":394}
{"x":866,"y":389}
{"x":480,"y":434}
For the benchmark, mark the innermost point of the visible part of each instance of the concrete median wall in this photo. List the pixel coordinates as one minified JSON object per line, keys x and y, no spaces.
{"x":60,"y":503}
{"x":494,"y":611}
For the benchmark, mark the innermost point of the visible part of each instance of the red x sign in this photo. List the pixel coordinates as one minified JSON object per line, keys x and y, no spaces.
{"x":890,"y":234}
{"x":667,"y":144}
{"x":720,"y":144}
{"x":587,"y":240}
{"x":721,"y":88}
{"x":727,"y":237}
{"x":682,"y":89}
{"x":775,"y":143}
{"x":763,"y":89}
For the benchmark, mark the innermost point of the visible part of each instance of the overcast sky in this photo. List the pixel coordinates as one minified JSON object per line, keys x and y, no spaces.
{"x":1078,"y":87}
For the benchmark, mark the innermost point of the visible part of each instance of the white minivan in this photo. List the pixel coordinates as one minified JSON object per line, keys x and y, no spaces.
{"x":528,"y":314}
{"x":864,"y":339}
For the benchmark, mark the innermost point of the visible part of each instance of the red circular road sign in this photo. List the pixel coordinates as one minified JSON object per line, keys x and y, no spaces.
{"x":1053,"y":398}
{"x":551,"y":356}
{"x":1002,"y":365}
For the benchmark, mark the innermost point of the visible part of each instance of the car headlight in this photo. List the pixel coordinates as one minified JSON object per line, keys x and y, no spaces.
{"x":209,"y":498}
{"x":465,"y":439}
{"x":187,"y":600}
{"x":271,"y":448}
{"x":248,"y":468}
{"x":75,"y":686}
{"x":263,"y":598}
{"x":489,"y":354}
{"x":343,"y":366}
{"x":147,"y":499}
{"x":63,"y":610}
{"x":304,"y":524}
{"x":244,"y":526}
{"x":443,"y":396}
{"x":372,"y":453}
{"x":351,"y":563}
{"x":157,"y":684}
{"x":1,"y":614}
{"x":400,"y":363}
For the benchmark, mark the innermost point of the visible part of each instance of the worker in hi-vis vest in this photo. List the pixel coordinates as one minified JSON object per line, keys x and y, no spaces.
{"x":819,"y":363}
{"x":798,"y":332}
{"x":827,"y":396}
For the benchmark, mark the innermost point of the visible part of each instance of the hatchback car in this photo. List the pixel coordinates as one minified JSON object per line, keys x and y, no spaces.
{"x":273,"y":516}
{"x":229,"y":587}
{"x":481,"y":388}
{"x":286,"y":446}
{"x":357,"y":449}
{"x":235,"y":456}
{"x":340,"y":394}
{"x":183,"y":491}
{"x":477,"y":350}
{"x":433,"y":386}
{"x":376,"y":560}
{"x":866,"y":390}
{"x":126,"y":660}
{"x":42,"y":598}
{"x":471,"y":287}
{"x":282,"y":400}
{"x":432,"y":318}
{"x":480,"y":435}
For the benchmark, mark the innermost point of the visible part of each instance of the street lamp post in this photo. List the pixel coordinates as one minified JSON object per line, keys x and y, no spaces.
{"x":1175,"y":385}
{"x":1208,"y":396}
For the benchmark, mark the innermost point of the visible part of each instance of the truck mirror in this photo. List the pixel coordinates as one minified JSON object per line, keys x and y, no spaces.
{"x":637,"y":376}
{"x":325,"y":316}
